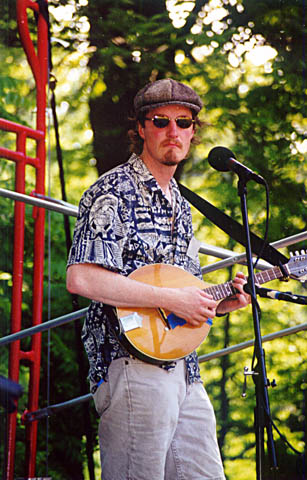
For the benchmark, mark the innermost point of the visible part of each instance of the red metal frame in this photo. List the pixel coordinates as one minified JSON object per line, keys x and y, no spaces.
{"x":38,"y":61}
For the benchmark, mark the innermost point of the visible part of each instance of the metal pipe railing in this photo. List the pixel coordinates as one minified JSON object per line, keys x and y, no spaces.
{"x":41,"y":201}
{"x":229,"y":258}
{"x":250,"y":343}
{"x":52,"y":409}
{"x":43,"y":327}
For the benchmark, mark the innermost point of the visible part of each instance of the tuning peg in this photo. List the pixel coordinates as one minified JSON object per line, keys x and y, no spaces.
{"x":297,"y":252}
{"x":291,"y":254}
{"x":303,"y":252}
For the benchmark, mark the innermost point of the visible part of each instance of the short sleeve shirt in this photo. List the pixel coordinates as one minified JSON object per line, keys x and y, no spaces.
{"x":125,"y":222}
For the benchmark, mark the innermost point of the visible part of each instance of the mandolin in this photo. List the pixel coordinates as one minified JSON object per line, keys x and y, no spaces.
{"x":158,"y":336}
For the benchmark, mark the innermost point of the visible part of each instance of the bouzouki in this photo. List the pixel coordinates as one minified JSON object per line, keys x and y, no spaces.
{"x":158,"y":336}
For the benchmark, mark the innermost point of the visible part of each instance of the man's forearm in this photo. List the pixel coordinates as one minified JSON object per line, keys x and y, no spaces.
{"x":102,"y":285}
{"x":99,"y":284}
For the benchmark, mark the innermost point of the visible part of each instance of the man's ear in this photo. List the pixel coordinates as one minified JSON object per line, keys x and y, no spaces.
{"x":141,"y":131}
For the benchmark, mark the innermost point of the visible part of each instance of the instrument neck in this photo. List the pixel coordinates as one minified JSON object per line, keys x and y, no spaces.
{"x":224,"y":290}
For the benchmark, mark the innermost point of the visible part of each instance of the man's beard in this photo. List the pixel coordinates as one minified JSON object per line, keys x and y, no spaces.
{"x":171,"y":159}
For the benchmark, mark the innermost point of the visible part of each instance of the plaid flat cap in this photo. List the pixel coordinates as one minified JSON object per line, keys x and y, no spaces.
{"x":166,"y":92}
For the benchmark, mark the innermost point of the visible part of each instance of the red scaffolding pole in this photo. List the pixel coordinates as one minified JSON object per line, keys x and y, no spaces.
{"x":38,"y":60}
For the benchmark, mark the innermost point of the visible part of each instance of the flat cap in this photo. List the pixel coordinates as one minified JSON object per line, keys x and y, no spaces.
{"x":166,"y":92}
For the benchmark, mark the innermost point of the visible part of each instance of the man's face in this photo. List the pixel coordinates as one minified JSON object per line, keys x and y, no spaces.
{"x":169,"y":145}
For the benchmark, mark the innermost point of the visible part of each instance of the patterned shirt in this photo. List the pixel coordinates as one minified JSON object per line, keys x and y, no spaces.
{"x":124,"y":222}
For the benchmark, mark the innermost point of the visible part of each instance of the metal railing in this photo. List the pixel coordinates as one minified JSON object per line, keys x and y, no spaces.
{"x":229,"y":258}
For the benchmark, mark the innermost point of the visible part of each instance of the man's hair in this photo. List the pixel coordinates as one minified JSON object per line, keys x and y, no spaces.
{"x":136,"y":142}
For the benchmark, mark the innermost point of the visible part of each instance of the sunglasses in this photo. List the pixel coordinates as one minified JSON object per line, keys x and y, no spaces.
{"x":161,"y":121}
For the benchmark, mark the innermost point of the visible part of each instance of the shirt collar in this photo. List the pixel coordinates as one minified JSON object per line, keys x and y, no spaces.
{"x":146,"y":177}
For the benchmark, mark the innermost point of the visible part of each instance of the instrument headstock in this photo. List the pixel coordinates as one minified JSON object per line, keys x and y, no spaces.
{"x":297,"y":265}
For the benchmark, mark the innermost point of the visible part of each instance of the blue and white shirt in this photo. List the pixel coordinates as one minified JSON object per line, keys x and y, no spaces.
{"x":124,"y":222}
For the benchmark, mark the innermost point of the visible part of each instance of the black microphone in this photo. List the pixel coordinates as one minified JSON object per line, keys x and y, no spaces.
{"x":277,"y":295}
{"x":223,"y":160}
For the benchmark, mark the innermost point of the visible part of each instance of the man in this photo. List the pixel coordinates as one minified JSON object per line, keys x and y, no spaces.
{"x":157,"y":422}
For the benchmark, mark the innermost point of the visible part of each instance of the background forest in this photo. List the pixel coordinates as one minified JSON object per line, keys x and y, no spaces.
{"x":246,"y":59}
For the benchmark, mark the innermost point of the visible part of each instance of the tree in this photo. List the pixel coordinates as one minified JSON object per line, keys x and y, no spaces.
{"x":128,"y":54}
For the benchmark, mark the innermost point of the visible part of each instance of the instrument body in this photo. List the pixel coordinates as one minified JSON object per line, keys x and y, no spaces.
{"x":158,"y":336}
{"x":154,"y":338}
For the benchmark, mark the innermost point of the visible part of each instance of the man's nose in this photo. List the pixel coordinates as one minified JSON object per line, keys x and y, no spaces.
{"x":172,"y":128}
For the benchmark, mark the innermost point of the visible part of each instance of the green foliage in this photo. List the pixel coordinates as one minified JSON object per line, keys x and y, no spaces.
{"x":8,"y":24}
{"x":16,"y":87}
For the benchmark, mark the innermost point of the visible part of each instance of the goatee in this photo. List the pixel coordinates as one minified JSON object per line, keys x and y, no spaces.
{"x":170,"y":159}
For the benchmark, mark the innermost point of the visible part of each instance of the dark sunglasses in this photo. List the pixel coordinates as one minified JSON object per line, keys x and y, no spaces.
{"x":161,"y":121}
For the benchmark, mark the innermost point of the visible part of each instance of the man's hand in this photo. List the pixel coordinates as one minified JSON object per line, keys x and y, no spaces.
{"x":239,"y":300}
{"x":192,"y":304}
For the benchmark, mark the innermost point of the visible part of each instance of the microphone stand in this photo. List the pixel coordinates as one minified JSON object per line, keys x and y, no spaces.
{"x":262,"y":410}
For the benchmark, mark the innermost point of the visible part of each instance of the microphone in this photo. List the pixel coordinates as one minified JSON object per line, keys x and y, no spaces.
{"x":223,"y":160}
{"x":277,"y":295}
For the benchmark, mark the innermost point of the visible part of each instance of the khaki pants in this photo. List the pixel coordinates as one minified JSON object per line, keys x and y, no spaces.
{"x":155,"y":426}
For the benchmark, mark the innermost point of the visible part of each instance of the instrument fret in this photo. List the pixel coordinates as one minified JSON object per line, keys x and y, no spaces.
{"x":221,"y":291}
{"x":224,"y":290}
{"x":267,"y":275}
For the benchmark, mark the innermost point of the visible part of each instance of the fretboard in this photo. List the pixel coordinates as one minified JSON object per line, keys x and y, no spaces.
{"x":224,"y":290}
